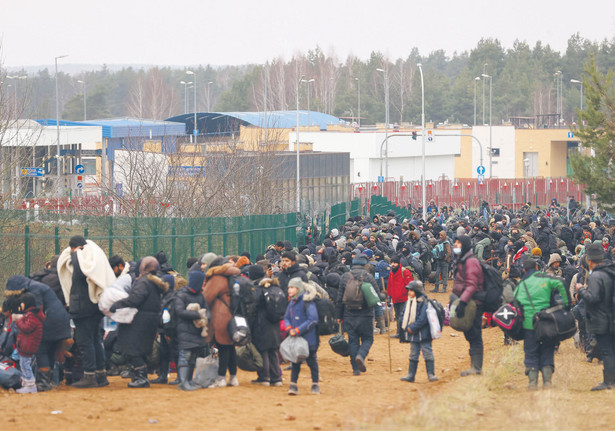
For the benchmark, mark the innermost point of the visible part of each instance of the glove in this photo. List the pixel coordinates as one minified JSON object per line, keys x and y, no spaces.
{"x":460,"y":311}
{"x":113,"y":308}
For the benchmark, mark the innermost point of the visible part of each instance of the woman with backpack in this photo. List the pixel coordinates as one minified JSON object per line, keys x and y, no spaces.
{"x":300,"y":321}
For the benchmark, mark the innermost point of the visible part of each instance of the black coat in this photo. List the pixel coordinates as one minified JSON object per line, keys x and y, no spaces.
{"x":49,"y":276}
{"x":57,"y":323}
{"x":80,"y":305}
{"x":137,"y":338}
{"x":265,"y":334}
{"x":188,"y":336}
{"x":358,"y":272}
{"x":287,"y":274}
{"x":597,"y":298}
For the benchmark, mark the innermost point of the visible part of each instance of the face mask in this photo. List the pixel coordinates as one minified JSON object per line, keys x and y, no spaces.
{"x":457,"y":250}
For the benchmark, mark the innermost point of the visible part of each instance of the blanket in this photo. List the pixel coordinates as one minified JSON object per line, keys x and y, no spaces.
{"x":117,"y":290}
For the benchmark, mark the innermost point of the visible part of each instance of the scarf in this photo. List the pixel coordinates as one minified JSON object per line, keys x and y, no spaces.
{"x":409,"y":313}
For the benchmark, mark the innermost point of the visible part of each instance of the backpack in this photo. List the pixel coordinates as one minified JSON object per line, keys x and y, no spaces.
{"x":491,"y":296}
{"x":327,"y":323}
{"x":439,"y":311}
{"x":275,"y":303}
{"x":243,"y":296}
{"x":353,"y":296}
{"x":439,"y":251}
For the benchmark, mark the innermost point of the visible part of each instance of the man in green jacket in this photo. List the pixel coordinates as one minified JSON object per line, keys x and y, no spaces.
{"x":534,"y":293}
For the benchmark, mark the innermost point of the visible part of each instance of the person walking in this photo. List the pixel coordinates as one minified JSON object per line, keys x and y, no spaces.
{"x":399,"y":278}
{"x":443,"y":253}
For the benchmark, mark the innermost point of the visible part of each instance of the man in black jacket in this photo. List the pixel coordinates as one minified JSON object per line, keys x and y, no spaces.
{"x":598,"y":298}
{"x":290,"y":269}
{"x":357,"y":319}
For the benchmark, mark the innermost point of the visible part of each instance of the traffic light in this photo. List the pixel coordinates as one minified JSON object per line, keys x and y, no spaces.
{"x":414,"y":135}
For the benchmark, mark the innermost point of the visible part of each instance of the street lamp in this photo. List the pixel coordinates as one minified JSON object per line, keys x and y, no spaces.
{"x":58,"y":129}
{"x":386,"y":119}
{"x":308,"y":100}
{"x":420,"y":66}
{"x":358,"y":101}
{"x":15,"y":88}
{"x":298,"y":190}
{"x":208,"y":104}
{"x":84,"y":100}
{"x":195,"y":130}
{"x":490,"y":125}
{"x":484,"y":72}
{"x":185,"y":84}
{"x":576,"y":81}
{"x":559,"y":76}
{"x":475,"y":81}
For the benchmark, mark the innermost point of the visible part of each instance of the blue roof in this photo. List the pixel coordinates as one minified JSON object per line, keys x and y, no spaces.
{"x":224,"y":123}
{"x":127,"y":127}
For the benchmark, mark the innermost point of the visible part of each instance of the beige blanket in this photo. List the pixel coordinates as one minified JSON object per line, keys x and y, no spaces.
{"x":94,"y":265}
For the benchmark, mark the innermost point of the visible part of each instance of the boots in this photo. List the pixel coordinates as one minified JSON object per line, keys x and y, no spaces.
{"x":68,"y":378}
{"x":607,"y":383}
{"x":44,"y":379}
{"x":27,"y":387}
{"x":88,"y":381}
{"x":360,"y":363}
{"x":476,"y":367}
{"x":547,"y":373}
{"x":411,"y":372}
{"x":185,"y":378}
{"x":381,"y":324}
{"x":139,"y":379}
{"x":101,"y":378}
{"x":162,"y":378}
{"x":431,"y":373}
{"x":532,"y":375}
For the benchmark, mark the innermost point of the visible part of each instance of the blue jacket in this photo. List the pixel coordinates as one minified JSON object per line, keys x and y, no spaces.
{"x":303,"y":318}
{"x":420,"y":328}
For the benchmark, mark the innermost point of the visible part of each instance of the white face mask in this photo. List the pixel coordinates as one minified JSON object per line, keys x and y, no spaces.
{"x":456,"y":250}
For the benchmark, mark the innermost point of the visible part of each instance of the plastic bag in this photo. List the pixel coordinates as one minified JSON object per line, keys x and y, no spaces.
{"x":294,"y":349}
{"x":434,"y":323}
{"x":114,"y":292}
{"x":206,"y":371}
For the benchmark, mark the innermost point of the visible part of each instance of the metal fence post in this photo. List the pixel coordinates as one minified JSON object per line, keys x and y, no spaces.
{"x":191,"y":241}
{"x":86,"y":233}
{"x":209,"y":240}
{"x":134,"y":245}
{"x":57,"y":239}
{"x":224,"y":238}
{"x":173,"y":257}
{"x":110,"y":236}
{"x":27,"y":250}
{"x":155,"y":241}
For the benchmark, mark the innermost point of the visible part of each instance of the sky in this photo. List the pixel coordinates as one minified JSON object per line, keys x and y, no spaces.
{"x":231,"y":32}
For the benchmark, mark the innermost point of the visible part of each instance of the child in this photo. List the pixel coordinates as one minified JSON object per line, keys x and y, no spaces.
{"x":300,"y":321}
{"x":416,"y":331}
{"x":29,"y":337}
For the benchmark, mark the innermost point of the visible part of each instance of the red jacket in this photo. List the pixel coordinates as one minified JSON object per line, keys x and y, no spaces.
{"x":30,"y":333}
{"x":397,"y":284}
{"x":468,"y":277}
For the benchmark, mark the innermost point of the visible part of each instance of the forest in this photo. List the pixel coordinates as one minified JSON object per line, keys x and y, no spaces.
{"x":525,"y":81}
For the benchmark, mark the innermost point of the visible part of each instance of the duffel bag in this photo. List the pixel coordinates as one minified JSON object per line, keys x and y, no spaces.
{"x":464,"y":323}
{"x":509,"y":317}
{"x":554,"y":324}
{"x":339,"y":344}
{"x":248,"y":358}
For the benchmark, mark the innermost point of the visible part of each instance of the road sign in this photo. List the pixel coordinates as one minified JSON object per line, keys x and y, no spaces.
{"x":79,"y":169}
{"x":32,"y":172}
{"x":480,"y":170}
{"x":481,"y":179}
{"x":570,"y":135}
{"x":430,"y":138}
{"x":381,"y":179}
{"x":79,"y":185}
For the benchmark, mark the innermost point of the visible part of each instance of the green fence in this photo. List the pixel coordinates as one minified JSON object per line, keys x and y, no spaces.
{"x":26,"y":243}
{"x":381,"y":206}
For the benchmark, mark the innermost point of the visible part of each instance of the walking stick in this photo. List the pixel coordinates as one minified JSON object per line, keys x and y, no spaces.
{"x":386,"y":313}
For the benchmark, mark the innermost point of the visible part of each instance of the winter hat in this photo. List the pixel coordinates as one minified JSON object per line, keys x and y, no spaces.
{"x":195,"y":280}
{"x":395,"y":259}
{"x":356,"y":251}
{"x":335,"y":233}
{"x":595,"y":253}
{"x":333,"y":279}
{"x":16,"y":285}
{"x":365,"y":232}
{"x":288,"y":246}
{"x":536,"y":251}
{"x":76,"y":241}
{"x":170,"y":280}
{"x":298,"y":283}
{"x":417,"y":287}
{"x":341,"y":243}
{"x":242,"y":261}
{"x":383,"y":268}
{"x":369,"y":253}
{"x":208,"y":258}
{"x":327,"y":242}
{"x":555,"y":257}
{"x":529,"y":264}
{"x":255,"y":272}
{"x":466,"y":244}
{"x":360,"y":259}
{"x":515,"y":272}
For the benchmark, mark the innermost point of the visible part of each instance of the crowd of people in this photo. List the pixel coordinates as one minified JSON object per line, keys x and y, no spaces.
{"x":85,"y":316}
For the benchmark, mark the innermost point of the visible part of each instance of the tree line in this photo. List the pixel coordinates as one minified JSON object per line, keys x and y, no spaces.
{"x":524,"y":84}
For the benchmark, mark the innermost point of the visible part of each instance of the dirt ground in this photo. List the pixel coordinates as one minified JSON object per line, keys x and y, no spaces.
{"x":375,"y":400}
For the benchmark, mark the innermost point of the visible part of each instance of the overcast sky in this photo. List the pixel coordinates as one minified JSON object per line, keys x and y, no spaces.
{"x":189,"y":32}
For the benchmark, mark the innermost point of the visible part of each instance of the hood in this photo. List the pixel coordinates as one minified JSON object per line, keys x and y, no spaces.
{"x":226,"y":270}
{"x":162,"y":285}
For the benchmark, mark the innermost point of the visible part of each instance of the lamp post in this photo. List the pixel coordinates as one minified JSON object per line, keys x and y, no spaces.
{"x":298,"y":190}
{"x":208,"y":104}
{"x":15,"y":88}
{"x":576,"y":81}
{"x":558,"y":91}
{"x":185,"y":84}
{"x":386,"y":119}
{"x":85,"y":116}
{"x":58,"y":129}
{"x":308,"y":100}
{"x":475,"y":81}
{"x":195,"y":130}
{"x":420,"y":66}
{"x":358,"y":102}
{"x":490,"y":125}
{"x":484,"y":72}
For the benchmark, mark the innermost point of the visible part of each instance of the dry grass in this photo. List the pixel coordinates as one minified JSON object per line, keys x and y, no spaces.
{"x":499,"y":399}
